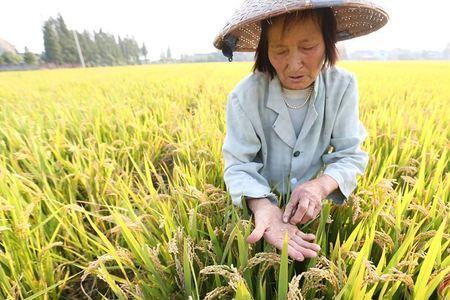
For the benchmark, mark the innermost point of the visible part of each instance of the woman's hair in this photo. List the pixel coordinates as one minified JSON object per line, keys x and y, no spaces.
{"x":325,"y":18}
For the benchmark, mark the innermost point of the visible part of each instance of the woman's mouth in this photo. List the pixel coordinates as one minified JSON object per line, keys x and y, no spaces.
{"x":296,"y":78}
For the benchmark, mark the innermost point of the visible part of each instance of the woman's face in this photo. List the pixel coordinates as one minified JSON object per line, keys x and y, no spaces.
{"x":299,"y":53}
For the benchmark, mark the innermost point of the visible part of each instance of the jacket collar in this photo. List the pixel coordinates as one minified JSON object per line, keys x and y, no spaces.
{"x":283,"y":124}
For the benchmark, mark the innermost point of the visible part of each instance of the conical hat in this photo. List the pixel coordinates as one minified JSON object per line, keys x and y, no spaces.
{"x":242,"y":31}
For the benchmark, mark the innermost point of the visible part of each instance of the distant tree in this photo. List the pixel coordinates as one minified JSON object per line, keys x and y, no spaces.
{"x":162,"y":55}
{"x":117,"y":51}
{"x":110,"y":52}
{"x":130,"y":50}
{"x":123,"y":49}
{"x":98,"y":48}
{"x":52,"y":47}
{"x":103,"y":44}
{"x":2,"y":62}
{"x":135,"y":50}
{"x":169,"y":53}
{"x":10,"y":58}
{"x":66,"y":42}
{"x":88,"y":48}
{"x":29,"y":58}
{"x":144,"y":51}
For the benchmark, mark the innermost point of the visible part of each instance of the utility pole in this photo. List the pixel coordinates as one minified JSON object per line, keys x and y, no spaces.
{"x":79,"y":49}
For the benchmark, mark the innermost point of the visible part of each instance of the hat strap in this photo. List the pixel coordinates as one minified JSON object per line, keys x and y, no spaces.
{"x":228,"y":45}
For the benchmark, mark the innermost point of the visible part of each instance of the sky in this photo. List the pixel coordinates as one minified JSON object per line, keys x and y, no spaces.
{"x":190,"y":26}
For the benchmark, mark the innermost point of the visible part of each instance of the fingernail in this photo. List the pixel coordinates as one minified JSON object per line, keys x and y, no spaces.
{"x":285,"y":219}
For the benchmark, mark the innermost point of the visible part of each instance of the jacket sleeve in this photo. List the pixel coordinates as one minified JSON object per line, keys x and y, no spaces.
{"x":347,"y":159}
{"x":240,"y":151}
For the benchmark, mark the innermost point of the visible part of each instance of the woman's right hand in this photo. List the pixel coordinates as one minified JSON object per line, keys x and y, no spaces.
{"x":268,"y":223}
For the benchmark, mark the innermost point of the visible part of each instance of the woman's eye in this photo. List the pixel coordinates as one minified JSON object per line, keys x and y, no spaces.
{"x":282,"y":52}
{"x":308,"y":48}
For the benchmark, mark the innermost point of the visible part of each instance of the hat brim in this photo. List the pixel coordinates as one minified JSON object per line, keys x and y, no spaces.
{"x":353,"y":19}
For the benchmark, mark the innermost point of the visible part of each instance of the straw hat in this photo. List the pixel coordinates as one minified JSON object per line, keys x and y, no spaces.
{"x":241,"y":33}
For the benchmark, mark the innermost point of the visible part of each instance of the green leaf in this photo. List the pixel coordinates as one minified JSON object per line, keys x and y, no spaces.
{"x":420,"y":288}
{"x":242,"y":292}
{"x":283,"y":275}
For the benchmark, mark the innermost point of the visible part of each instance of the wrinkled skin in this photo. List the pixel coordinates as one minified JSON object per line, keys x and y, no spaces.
{"x":305,"y":203}
{"x":269,"y":224}
{"x":299,"y":51}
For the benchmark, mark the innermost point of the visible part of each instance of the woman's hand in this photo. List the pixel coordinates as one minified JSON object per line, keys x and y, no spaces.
{"x":305,"y":203}
{"x":268,"y":224}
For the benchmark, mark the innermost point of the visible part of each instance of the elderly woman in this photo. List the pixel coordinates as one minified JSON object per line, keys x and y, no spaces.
{"x":293,"y":127}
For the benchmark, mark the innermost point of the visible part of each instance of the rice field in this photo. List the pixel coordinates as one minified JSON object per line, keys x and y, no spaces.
{"x":111,"y":187}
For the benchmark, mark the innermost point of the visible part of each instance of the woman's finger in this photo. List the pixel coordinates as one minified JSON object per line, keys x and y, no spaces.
{"x":309,"y":215}
{"x":306,"y":236}
{"x":307,"y":245}
{"x":289,"y":210}
{"x":300,"y":212}
{"x":310,"y":212}
{"x":294,"y":253}
{"x":303,"y":250}
{"x":317,"y":210}
{"x":257,"y":233}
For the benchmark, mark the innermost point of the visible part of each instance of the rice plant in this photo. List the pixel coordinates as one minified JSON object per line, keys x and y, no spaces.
{"x":111,"y":187}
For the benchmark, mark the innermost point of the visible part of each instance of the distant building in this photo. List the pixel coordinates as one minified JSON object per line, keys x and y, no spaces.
{"x":6,"y":47}
{"x":398,"y":54}
{"x":364,"y":55}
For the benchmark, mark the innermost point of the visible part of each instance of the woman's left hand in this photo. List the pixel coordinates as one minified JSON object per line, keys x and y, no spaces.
{"x":305,"y":203}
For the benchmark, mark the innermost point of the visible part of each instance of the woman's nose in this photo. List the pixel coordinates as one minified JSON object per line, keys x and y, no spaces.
{"x":295,"y":61}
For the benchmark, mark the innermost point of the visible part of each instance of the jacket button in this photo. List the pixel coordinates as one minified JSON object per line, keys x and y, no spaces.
{"x":296,"y":153}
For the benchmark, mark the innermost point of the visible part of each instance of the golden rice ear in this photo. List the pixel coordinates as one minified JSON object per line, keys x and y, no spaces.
{"x":444,"y":286}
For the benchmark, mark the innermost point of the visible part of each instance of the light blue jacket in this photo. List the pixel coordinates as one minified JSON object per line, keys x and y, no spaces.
{"x":262,"y":153}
